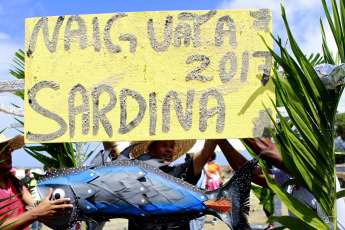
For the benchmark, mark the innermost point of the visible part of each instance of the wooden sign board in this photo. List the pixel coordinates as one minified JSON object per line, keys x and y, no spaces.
{"x":147,"y":76}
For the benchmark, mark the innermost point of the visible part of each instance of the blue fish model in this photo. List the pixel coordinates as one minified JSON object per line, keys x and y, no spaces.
{"x":139,"y":191}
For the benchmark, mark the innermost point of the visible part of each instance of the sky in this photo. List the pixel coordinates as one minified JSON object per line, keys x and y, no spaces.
{"x":303,"y":18}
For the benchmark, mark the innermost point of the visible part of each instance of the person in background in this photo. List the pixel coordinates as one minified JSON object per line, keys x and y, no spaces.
{"x":47,"y":169}
{"x":215,"y":177}
{"x":27,"y":178}
{"x":21,"y":210}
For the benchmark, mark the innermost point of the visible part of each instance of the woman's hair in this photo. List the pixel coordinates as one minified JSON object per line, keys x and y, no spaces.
{"x":213,"y":156}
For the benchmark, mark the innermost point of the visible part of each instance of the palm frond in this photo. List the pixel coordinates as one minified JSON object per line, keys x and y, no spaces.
{"x":19,"y":70}
{"x":312,"y":109}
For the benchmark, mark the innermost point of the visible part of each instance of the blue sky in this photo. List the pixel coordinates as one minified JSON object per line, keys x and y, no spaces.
{"x":303,"y":17}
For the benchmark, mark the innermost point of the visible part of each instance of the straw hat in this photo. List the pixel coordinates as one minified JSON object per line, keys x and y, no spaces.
{"x":15,"y":143}
{"x":181,"y":148}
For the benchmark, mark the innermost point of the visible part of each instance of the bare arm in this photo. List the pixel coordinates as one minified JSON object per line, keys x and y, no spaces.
{"x":236,"y":160}
{"x":201,"y":157}
{"x":27,"y":198}
{"x":46,"y":209}
{"x":268,"y":151}
{"x":220,"y":172}
{"x":115,"y":152}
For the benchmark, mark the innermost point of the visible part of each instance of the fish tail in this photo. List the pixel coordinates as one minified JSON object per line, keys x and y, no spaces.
{"x":230,"y":203}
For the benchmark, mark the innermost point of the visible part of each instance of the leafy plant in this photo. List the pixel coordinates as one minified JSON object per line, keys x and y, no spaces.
{"x":312,"y":109}
{"x":61,"y":154}
{"x":18,"y":71}
{"x":9,"y":213}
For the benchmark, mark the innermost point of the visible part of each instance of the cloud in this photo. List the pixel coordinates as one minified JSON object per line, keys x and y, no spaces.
{"x":8,"y":49}
{"x":303,"y":18}
{"x":4,"y":36}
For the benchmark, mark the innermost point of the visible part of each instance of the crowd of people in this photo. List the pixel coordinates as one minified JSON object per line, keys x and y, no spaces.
{"x":199,"y":169}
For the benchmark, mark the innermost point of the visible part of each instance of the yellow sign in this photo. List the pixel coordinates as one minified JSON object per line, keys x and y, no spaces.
{"x":147,"y":76}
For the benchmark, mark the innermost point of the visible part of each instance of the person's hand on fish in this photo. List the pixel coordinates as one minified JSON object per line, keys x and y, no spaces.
{"x":52,"y":208}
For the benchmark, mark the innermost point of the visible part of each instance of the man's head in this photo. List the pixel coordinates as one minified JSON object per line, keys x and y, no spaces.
{"x":27,"y":172}
{"x":163,"y":149}
{"x":5,"y":157}
{"x":169,"y":150}
{"x":7,"y":146}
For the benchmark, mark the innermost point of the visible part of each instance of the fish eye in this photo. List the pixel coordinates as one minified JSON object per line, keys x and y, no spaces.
{"x":58,"y":194}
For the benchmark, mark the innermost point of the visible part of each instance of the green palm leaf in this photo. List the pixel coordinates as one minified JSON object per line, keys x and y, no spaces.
{"x":312,"y":109}
{"x":310,"y":218}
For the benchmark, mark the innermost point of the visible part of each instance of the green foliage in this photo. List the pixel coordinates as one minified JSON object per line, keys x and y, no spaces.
{"x":62,"y":155}
{"x":341,"y":194}
{"x":265,"y":196}
{"x":312,"y":109}
{"x":337,"y":25}
{"x":10,"y":212}
{"x":18,"y":70}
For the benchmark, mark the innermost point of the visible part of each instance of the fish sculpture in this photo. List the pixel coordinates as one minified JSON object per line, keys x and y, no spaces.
{"x":138,"y":190}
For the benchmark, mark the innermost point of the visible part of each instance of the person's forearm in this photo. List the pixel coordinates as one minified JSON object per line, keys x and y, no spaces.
{"x":200,"y":158}
{"x":234,"y":158}
{"x":21,"y":221}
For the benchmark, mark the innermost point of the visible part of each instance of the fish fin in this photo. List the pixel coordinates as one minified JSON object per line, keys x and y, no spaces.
{"x":107,"y":153}
{"x":230,"y":202}
{"x":145,"y":157}
{"x":124,"y":155}
{"x":222,"y":205}
{"x":152,"y":160}
{"x":98,"y":159}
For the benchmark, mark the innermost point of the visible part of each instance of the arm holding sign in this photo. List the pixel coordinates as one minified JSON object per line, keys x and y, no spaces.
{"x":236,"y":160}
{"x":201,"y":157}
{"x":268,"y":152}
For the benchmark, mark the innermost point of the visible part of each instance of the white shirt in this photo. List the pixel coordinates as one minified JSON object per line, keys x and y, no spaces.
{"x":305,"y":196}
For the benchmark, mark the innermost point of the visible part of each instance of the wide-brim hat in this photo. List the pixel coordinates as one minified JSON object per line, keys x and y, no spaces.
{"x":181,"y":148}
{"x":15,"y":143}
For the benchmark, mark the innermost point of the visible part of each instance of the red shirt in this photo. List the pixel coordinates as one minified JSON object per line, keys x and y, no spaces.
{"x":7,"y":192}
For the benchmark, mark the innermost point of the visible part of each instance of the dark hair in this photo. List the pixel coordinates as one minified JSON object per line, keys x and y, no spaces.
{"x":26,"y":171}
{"x":213,"y":156}
{"x":152,"y":145}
